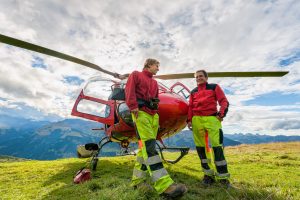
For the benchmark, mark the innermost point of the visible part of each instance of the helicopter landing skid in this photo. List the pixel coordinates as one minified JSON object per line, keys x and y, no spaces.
{"x":94,"y":158}
{"x":183,"y":151}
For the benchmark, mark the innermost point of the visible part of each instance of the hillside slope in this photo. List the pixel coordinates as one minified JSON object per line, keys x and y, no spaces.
{"x":265,"y":171}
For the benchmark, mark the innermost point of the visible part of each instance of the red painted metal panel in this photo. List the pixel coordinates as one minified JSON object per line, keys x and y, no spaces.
{"x":173,"y":111}
{"x":107,"y":120}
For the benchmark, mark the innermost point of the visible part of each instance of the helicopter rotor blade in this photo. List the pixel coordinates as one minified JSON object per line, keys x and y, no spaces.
{"x":43,"y":50}
{"x":225,"y":74}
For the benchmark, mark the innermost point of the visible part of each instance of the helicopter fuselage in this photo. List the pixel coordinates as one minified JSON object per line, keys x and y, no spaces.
{"x":118,"y":124}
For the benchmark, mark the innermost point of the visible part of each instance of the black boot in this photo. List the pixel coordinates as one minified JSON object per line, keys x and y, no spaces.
{"x":208,"y":180}
{"x":175,"y":190}
{"x":225,"y":183}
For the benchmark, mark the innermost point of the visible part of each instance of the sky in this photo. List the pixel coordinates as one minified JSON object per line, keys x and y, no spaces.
{"x":184,"y":35}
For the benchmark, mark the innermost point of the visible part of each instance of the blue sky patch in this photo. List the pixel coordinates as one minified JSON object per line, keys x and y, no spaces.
{"x":295,"y":82}
{"x":73,"y":80}
{"x":226,"y":91}
{"x":290,"y":60}
{"x":38,"y":62}
{"x":274,"y":99}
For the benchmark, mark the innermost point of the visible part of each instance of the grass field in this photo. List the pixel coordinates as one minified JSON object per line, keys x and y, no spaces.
{"x":265,"y":171}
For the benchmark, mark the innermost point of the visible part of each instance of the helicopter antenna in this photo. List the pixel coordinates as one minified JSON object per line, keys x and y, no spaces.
{"x":46,"y":51}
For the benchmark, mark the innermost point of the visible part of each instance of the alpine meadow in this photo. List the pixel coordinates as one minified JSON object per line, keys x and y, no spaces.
{"x":264,"y":171}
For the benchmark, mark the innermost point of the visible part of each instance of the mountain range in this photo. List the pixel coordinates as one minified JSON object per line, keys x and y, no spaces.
{"x":47,"y":140}
{"x":44,"y":140}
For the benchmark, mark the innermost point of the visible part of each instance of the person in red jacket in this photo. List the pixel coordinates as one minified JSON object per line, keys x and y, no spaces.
{"x":141,"y":96}
{"x":204,"y":117}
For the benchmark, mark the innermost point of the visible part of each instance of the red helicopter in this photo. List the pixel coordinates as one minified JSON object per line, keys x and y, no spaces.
{"x":108,"y":107}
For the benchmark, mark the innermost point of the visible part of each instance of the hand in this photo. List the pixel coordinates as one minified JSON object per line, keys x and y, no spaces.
{"x":219,"y":118}
{"x":190,"y":125}
{"x":135,"y":112}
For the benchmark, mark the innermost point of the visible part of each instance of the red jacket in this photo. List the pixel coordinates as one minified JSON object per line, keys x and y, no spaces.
{"x":140,"y":85}
{"x":203,"y":101}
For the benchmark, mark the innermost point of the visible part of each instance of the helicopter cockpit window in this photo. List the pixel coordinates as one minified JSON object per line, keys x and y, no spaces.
{"x":124,"y":113}
{"x":118,"y":92}
{"x":180,"y":90}
{"x":98,"y":87}
{"x":93,"y":108}
{"x":162,"y":88}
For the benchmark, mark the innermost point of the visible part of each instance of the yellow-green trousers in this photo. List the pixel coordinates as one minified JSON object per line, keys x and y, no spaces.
{"x":148,"y":161}
{"x":212,"y":126}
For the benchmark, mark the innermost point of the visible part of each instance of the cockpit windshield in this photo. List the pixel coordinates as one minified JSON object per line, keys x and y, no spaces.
{"x":162,"y":87}
{"x":181,"y":90}
{"x":98,"y":87}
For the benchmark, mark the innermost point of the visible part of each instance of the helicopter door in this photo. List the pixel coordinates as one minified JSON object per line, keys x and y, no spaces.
{"x":94,"y":109}
{"x":91,"y":105}
{"x":181,"y":90}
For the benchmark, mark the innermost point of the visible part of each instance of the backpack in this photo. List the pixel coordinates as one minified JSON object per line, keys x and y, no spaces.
{"x":82,"y":175}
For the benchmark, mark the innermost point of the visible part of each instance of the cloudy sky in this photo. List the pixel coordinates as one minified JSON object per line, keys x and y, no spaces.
{"x":185,"y":35}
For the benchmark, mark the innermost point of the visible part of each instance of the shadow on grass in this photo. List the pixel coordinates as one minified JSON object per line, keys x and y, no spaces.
{"x":196,"y":190}
{"x":112,"y":181}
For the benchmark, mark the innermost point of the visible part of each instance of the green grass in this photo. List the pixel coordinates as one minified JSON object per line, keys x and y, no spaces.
{"x":266,"y":171}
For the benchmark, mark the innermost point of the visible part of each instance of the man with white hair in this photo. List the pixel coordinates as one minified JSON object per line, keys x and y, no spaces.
{"x":141,"y":96}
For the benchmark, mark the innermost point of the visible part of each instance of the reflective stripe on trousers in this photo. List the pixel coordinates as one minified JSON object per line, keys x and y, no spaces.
{"x":147,"y":127}
{"x":220,"y":163}
{"x":212,"y":126}
{"x":139,"y":173}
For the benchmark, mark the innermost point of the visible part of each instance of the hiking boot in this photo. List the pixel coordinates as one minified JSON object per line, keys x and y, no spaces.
{"x":225,"y":183}
{"x":208,"y":180}
{"x":175,"y":190}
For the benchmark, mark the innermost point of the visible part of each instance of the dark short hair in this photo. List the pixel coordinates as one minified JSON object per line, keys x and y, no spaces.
{"x":202,"y":71}
{"x":150,"y":61}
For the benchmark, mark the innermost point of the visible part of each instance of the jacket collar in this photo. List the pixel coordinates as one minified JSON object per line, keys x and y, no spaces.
{"x":202,"y":85}
{"x":147,"y":73}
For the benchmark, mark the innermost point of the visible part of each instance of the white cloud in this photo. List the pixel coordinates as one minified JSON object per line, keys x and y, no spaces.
{"x":274,"y":120}
{"x":185,"y":36}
